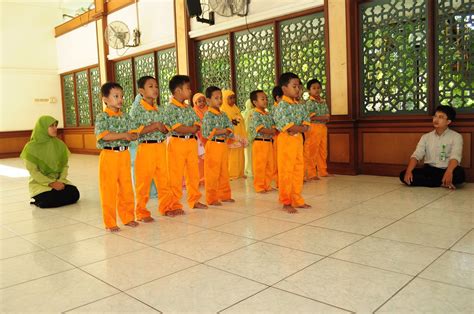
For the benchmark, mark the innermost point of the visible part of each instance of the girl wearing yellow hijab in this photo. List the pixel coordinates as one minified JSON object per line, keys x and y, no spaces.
{"x":247,"y":114}
{"x":46,"y":159}
{"x":236,"y":148}
{"x":200,"y":107}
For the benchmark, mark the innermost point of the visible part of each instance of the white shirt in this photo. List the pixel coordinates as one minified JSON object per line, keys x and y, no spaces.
{"x":438,"y":150}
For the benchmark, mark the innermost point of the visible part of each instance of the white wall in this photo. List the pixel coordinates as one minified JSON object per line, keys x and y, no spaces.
{"x":156,"y":25}
{"x":259,"y":10}
{"x":77,"y":48}
{"x":28,"y":64}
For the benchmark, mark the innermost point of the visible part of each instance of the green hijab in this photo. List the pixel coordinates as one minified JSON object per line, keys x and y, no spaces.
{"x":50,"y":154}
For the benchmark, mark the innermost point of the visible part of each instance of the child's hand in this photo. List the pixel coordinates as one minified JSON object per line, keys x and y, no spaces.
{"x":130,"y":136}
{"x":227,"y":131}
{"x":58,"y":186}
{"x":196,"y":127}
{"x":235,"y":122}
{"x":161,"y":127}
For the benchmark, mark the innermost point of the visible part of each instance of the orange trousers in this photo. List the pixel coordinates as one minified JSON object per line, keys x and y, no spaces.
{"x":216,"y":172}
{"x":263,"y":165}
{"x":290,"y":169}
{"x":316,"y":150}
{"x":183,"y":159}
{"x":275,"y":159}
{"x":116,"y":189}
{"x":151,"y":164}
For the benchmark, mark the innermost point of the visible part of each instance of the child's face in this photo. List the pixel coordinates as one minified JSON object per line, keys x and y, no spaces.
{"x":292,"y":90}
{"x":201,"y":102}
{"x":277,"y":98}
{"x":231,"y":100}
{"x":216,"y":99}
{"x":315,"y":90}
{"x":53,"y":129}
{"x":184,"y":91}
{"x":261,"y":102}
{"x":440,"y":120}
{"x":115,"y":99}
{"x":300,"y":90}
{"x":150,"y":90}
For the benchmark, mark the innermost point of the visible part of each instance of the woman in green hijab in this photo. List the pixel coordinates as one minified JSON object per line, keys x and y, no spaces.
{"x":46,"y":159}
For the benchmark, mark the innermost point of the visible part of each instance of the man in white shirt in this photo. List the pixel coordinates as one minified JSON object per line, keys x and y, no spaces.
{"x":441,"y":150}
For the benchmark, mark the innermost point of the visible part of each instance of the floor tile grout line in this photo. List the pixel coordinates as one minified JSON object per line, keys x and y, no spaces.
{"x":91,"y":302}
{"x":244,"y":299}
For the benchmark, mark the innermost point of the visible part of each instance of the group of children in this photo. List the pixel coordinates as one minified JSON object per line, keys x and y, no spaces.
{"x":180,"y":140}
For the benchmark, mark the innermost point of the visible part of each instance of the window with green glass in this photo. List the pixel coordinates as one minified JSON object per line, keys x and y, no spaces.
{"x":213,"y":63}
{"x":393,"y":50}
{"x":166,"y":70}
{"x":124,"y":76}
{"x":83,"y":98}
{"x":455,"y":54}
{"x":302,"y":48}
{"x":96,"y":97}
{"x":69,"y":96}
{"x":144,"y":65}
{"x":254,"y":53}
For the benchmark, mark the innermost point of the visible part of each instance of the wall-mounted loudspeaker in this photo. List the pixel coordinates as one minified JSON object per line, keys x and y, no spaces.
{"x":194,"y":7}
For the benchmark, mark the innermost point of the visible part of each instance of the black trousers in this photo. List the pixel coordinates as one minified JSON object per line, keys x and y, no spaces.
{"x":431,"y":176}
{"x":55,"y":198}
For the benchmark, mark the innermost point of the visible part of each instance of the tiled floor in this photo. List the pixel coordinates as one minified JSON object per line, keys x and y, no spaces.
{"x":369,"y":244}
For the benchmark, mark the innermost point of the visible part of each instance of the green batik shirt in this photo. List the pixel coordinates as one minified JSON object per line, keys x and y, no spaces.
{"x":214,"y":119}
{"x":260,"y":120}
{"x":144,"y":114}
{"x":177,"y":114}
{"x":317,"y":108}
{"x":288,"y":113}
{"x":109,"y":121}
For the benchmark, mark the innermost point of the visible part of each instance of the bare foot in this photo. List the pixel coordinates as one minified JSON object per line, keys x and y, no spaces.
{"x":290,"y":209}
{"x":244,"y":177}
{"x":229,"y":200}
{"x":200,"y":205}
{"x":216,"y":203}
{"x":178,"y":212}
{"x":114,"y":229}
{"x":304,"y":206}
{"x":315,"y":178}
{"x":328,"y":175}
{"x":132,"y":224}
{"x":147,"y":219}
{"x":261,"y":192}
{"x":271,"y":189}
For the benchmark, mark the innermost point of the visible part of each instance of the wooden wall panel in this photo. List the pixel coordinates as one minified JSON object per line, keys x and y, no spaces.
{"x":466,"y":161}
{"x":90,"y":141}
{"x":388,"y":148}
{"x":74,"y":140}
{"x":339,"y":148}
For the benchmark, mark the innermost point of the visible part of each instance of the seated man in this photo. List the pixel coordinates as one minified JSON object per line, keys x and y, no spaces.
{"x":441,"y":150}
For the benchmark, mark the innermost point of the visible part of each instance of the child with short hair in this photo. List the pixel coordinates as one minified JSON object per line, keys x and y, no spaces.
{"x":316,"y":144}
{"x":113,"y":130}
{"x":183,"y":124}
{"x":291,"y":120}
{"x":150,"y":162}
{"x":217,"y":129}
{"x":261,"y":132}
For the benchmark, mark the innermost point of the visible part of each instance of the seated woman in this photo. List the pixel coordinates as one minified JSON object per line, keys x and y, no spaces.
{"x":46,"y":159}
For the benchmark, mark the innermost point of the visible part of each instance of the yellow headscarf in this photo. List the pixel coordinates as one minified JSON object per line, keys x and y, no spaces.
{"x":200,"y":112}
{"x":233,"y":112}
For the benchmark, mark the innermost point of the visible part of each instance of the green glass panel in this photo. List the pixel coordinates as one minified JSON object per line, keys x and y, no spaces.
{"x":393,"y":52}
{"x":82,"y":94}
{"x":455,"y":54}
{"x":254,"y":62}
{"x":95,"y":92}
{"x":69,"y":100}
{"x":166,"y":70}
{"x":144,"y":65}
{"x":213,"y":63}
{"x":302,"y":48}
{"x":124,"y":76}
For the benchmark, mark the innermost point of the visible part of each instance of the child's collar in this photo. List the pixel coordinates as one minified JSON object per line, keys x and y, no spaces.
{"x":177,"y":103}
{"x":260,"y":111}
{"x":288,"y":100}
{"x":112,"y":113}
{"x":147,"y":106}
{"x":214,"y":110}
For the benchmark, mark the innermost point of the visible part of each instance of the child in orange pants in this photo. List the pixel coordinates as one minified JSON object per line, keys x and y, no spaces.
{"x":113,"y":132}
{"x":182,"y":149}
{"x":216,"y":128}
{"x":261,"y":132}
{"x":315,"y":146}
{"x":291,"y":120}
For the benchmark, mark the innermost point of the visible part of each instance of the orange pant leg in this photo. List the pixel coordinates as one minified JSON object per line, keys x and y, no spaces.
{"x":263,"y":167}
{"x":275,"y":159}
{"x":321,"y":149}
{"x":176,"y":150}
{"x":213,"y":165}
{"x":309,"y":150}
{"x":223,"y":190}
{"x":290,"y":169}
{"x":126,"y":198}
{"x":192,"y":172}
